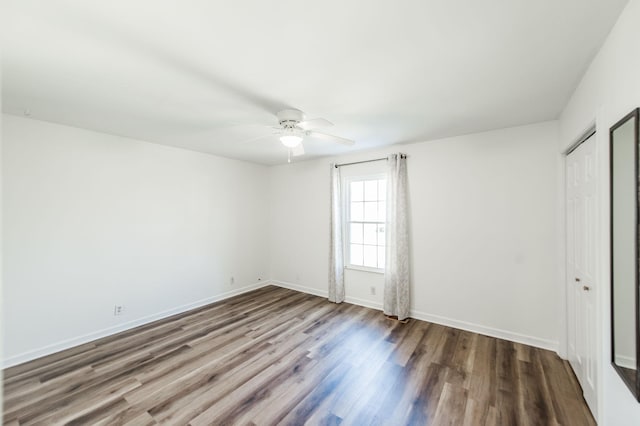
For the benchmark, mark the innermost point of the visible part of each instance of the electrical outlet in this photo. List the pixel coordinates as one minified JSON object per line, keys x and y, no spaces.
{"x":373,"y":291}
{"x":118,"y":310}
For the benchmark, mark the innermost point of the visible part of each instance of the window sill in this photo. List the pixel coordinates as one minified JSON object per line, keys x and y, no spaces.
{"x":365,"y":269}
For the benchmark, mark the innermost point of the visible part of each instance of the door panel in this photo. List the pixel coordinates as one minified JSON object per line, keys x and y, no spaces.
{"x":581,"y":267}
{"x":571,"y":305}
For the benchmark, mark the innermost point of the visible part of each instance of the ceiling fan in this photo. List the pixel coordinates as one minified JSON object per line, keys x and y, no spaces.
{"x":293,"y":128}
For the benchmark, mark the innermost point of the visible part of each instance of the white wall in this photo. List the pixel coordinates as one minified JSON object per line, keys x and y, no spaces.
{"x":483,"y":212}
{"x":93,"y":220}
{"x":608,"y":91}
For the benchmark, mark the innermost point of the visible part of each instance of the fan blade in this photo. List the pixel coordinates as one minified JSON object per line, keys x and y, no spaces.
{"x":297,"y":150}
{"x":316,"y":123}
{"x":332,"y":138}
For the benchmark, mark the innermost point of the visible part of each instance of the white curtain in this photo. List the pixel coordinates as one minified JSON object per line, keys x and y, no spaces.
{"x":336,"y":260}
{"x":396,"y":274}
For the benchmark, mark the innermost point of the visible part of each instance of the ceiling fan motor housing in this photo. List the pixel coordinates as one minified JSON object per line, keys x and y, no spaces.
{"x":289,"y":118}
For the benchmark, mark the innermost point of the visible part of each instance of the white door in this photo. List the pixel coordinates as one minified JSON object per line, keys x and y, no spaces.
{"x":581,"y":255}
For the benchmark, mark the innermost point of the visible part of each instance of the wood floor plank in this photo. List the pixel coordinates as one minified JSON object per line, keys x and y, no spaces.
{"x":68,"y":409}
{"x":244,"y":367}
{"x":419,"y":372}
{"x":360,"y":381}
{"x":277,"y":356}
{"x":452,"y":406}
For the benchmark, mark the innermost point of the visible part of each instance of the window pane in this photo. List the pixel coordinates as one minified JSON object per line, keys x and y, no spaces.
{"x":382,"y":189}
{"x":382,"y":211}
{"x":371,"y":190}
{"x":357,"y":212}
{"x":367,"y":240}
{"x":371,"y":256}
{"x":370,"y":211}
{"x":356,"y":233}
{"x":357,"y":191}
{"x":381,"y":257}
{"x":381,"y":240}
{"x":355,"y":257}
{"x":370,"y":236}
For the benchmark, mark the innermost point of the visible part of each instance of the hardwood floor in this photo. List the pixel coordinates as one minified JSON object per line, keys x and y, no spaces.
{"x":276,"y":356}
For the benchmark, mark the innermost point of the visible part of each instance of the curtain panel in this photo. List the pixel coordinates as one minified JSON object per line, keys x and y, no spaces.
{"x":336,"y":259}
{"x":396,"y":300}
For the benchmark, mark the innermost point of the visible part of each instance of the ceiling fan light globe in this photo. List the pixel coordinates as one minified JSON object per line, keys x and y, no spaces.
{"x":290,"y":141}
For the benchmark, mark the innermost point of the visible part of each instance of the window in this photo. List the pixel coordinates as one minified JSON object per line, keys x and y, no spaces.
{"x":366,"y":211}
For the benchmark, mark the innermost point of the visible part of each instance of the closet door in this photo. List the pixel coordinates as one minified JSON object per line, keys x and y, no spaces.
{"x":581,"y":285}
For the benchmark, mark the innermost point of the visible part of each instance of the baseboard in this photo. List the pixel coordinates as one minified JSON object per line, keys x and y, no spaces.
{"x":324,"y":293}
{"x":300,"y":288}
{"x":487,"y":331}
{"x":626,"y":362}
{"x":364,"y":302}
{"x":437,"y":319}
{"x":89,"y":337}
{"x":79,"y":340}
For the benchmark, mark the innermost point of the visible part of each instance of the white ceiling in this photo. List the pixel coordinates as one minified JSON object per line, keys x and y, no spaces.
{"x":207,"y":75}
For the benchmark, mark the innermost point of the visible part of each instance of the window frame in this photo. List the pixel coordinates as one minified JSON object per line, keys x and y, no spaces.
{"x":346,"y":232}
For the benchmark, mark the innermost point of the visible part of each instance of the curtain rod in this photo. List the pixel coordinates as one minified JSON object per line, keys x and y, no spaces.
{"x":367,"y":161}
